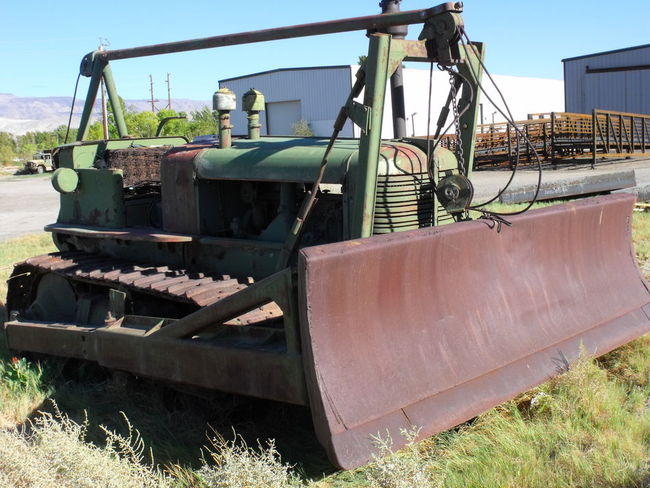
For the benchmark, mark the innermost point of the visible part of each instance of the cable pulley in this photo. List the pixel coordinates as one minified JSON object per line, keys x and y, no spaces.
{"x":455,"y":193}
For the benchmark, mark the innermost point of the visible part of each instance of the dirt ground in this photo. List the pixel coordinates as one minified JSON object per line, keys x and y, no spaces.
{"x":27,"y":203}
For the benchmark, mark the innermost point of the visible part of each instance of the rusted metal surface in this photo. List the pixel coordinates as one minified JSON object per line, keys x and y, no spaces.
{"x":138,"y":164}
{"x":260,"y":372}
{"x":127,"y":234}
{"x":180,"y":202}
{"x":429,"y":328}
{"x":243,"y":340}
{"x":173,"y":284}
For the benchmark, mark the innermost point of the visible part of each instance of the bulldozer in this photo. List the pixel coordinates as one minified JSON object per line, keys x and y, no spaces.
{"x":346,"y":275}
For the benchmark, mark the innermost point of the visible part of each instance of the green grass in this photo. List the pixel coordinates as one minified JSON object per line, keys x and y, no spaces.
{"x":587,"y":428}
{"x":22,"y":389}
{"x":22,"y":383}
{"x":14,"y":250}
{"x":584,"y":429}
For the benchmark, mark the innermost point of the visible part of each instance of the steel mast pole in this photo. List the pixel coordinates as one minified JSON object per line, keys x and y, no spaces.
{"x":397,"y":79}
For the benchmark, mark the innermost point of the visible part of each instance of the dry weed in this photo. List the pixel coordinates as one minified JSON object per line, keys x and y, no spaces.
{"x":237,"y":465}
{"x":407,"y":468}
{"x":51,"y":452}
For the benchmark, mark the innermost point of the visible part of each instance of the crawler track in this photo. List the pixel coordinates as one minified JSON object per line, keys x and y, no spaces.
{"x":164,"y":282}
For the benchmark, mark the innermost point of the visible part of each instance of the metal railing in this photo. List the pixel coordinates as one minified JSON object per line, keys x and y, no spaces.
{"x":619,"y":133}
{"x":558,"y":136}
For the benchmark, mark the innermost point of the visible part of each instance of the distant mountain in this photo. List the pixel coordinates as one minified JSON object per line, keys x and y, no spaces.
{"x":23,"y":114}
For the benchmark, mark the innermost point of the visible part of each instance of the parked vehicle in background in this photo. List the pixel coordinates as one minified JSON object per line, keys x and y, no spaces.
{"x":40,"y":163}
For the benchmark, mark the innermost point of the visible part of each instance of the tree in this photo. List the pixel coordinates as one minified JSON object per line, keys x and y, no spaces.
{"x":203,"y":122}
{"x":173,"y":127}
{"x":7,"y":148}
{"x":61,"y":131}
{"x":142,"y":124}
{"x":26,"y":145}
{"x":145,"y":124}
{"x":95,"y":132}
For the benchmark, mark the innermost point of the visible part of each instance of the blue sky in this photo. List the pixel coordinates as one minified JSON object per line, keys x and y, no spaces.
{"x":42,"y":43}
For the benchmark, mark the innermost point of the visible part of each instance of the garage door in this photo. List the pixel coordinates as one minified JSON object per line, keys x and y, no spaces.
{"x":281,"y":116}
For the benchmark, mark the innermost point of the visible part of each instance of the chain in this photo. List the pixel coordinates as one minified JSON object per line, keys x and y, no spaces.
{"x":459,"y":140}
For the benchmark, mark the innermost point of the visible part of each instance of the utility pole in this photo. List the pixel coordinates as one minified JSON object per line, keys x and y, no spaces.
{"x":169,"y":93}
{"x":153,"y":106}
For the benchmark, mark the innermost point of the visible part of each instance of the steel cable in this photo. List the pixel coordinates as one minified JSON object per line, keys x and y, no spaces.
{"x":74,"y":98}
{"x":460,"y":114}
{"x":510,"y":119}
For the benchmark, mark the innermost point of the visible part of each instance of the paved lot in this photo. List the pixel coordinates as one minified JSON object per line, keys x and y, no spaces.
{"x":487,"y":183}
{"x":27,"y":203}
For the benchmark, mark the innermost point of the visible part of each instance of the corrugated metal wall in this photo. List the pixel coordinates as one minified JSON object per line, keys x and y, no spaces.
{"x":623,"y":91}
{"x":321,"y":91}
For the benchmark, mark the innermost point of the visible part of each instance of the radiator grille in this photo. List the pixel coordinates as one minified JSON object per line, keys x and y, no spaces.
{"x":139,"y":164}
{"x":404,"y":202}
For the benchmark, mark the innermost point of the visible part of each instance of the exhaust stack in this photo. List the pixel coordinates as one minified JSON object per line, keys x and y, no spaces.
{"x":224,"y":101}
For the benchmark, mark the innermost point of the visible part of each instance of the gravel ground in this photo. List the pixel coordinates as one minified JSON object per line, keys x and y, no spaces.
{"x":29,"y":202}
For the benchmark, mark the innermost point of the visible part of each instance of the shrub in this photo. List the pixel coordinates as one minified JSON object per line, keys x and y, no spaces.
{"x":302,"y":129}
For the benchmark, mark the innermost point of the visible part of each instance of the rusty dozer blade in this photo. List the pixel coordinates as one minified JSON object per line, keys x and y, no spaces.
{"x":431,"y":327}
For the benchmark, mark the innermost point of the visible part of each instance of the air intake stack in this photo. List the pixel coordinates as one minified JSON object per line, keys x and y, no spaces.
{"x":253,"y":104}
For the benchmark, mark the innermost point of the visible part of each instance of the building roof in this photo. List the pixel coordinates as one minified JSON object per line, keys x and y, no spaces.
{"x":284,"y":69}
{"x":606,"y":52}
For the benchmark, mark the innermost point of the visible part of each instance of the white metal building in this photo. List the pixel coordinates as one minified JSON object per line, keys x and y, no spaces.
{"x":316,"y":94}
{"x":613,"y":80}
{"x":311,"y":94}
